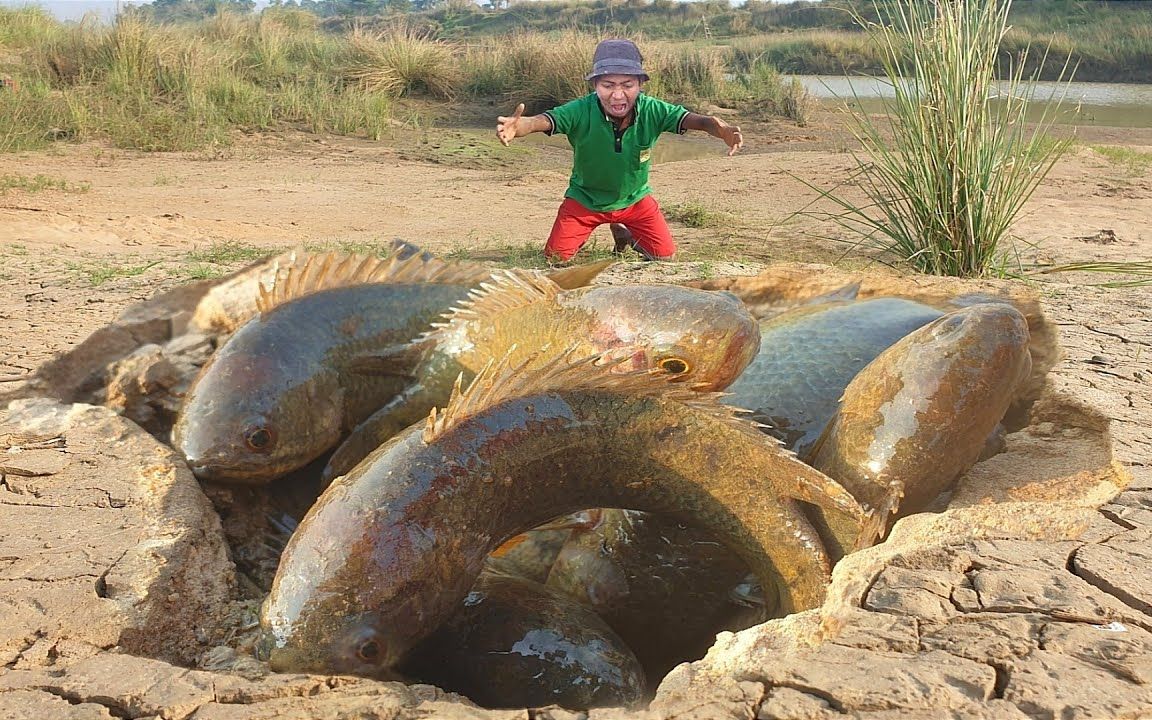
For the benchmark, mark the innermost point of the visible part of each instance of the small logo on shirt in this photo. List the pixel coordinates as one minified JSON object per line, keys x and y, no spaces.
{"x":645,"y":155}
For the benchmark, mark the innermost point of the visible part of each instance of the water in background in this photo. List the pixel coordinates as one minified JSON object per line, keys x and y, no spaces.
{"x":1080,"y":103}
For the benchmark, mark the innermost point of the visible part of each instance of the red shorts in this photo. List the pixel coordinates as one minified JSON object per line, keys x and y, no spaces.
{"x":574,"y":223}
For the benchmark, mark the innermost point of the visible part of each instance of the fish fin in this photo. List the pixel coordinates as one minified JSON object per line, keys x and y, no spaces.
{"x":839,"y":296}
{"x":508,"y":545}
{"x":551,"y":369}
{"x":330,"y":270}
{"x":848,"y":292}
{"x":395,"y":360}
{"x":876,"y":526}
{"x":578,"y":276}
{"x":503,"y":291}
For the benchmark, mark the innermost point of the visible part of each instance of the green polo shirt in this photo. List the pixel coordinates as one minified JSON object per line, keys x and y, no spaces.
{"x":610,"y":168}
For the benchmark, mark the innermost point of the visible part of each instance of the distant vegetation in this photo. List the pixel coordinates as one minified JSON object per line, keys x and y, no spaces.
{"x":186,"y":74}
{"x":189,"y":85}
{"x":1108,"y":41}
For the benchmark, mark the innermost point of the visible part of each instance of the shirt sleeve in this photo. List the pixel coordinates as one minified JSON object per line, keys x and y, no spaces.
{"x":671,"y":116}
{"x":565,"y":117}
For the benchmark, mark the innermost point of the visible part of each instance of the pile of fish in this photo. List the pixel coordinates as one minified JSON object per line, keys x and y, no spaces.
{"x":536,"y":491}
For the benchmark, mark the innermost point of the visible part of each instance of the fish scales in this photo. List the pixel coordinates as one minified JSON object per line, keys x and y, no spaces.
{"x":391,"y":547}
{"x":700,"y":337}
{"x":809,"y":354}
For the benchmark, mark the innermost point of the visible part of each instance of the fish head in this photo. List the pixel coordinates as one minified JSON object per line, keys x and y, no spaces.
{"x":253,"y":414}
{"x":360,"y":583}
{"x":702,"y":337}
{"x":341,"y":645}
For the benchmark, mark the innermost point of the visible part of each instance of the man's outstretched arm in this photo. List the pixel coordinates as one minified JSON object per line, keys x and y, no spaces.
{"x":715,"y":127}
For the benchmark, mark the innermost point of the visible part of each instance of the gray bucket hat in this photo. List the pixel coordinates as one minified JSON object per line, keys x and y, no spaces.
{"x":617,"y":57}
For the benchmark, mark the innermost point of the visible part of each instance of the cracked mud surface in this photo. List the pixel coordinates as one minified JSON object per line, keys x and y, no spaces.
{"x":1028,"y":599}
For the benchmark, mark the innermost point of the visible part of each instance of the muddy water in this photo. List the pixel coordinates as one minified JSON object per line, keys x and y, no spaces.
{"x":1077,"y":103}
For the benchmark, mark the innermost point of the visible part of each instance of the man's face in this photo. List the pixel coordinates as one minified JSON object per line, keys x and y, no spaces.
{"x":617,"y":94}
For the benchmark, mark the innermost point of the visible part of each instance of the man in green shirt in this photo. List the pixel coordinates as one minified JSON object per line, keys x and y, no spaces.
{"x":612,"y":131}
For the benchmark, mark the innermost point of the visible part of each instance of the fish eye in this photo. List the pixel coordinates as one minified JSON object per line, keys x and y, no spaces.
{"x":674,"y":366}
{"x":259,"y":438}
{"x":368,"y":651}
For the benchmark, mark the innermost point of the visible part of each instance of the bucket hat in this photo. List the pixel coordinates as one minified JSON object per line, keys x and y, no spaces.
{"x":617,"y":57}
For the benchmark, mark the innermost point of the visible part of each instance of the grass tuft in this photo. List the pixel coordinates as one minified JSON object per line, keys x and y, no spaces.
{"x":695,"y":215}
{"x":229,"y":253}
{"x":37,"y":183}
{"x":951,"y":161}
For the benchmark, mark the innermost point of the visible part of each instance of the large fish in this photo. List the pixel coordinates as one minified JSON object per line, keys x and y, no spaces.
{"x":809,"y":354}
{"x":637,"y":569}
{"x":921,"y":413}
{"x":516,"y":643}
{"x":278,"y":393}
{"x":390,"y":548}
{"x":699,"y":337}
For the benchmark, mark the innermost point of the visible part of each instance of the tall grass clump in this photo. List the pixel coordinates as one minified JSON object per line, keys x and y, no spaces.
{"x":949,"y":164}
{"x":548,"y":69}
{"x":402,"y":61}
{"x":687,"y":73}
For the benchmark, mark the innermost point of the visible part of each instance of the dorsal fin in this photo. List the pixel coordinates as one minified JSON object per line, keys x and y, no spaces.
{"x":543,"y":371}
{"x":504,"y":290}
{"x":330,"y":270}
{"x":576,"y":276}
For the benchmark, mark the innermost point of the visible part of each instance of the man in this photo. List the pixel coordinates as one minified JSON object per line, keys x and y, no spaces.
{"x":612,"y":131}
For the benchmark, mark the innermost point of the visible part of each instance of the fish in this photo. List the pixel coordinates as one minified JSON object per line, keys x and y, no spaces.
{"x":278,"y":394}
{"x":389,"y":549}
{"x":637,"y":569}
{"x":514,"y":643}
{"x":232,"y":301}
{"x":702,"y":338}
{"x":809,"y":354}
{"x":664,"y":587}
{"x":530,"y":555}
{"x":921,"y":413}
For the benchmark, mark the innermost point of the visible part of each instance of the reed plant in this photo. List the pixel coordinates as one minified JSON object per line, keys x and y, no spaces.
{"x":950,"y":163}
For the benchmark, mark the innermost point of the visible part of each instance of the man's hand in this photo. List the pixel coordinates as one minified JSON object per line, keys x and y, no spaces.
{"x":716,"y":127}
{"x":730,"y":134}
{"x":506,"y":127}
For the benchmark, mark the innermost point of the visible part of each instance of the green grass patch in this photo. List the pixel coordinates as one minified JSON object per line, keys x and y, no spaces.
{"x":466,"y":149}
{"x":229,"y":253}
{"x":39,"y":183}
{"x":376,"y":248}
{"x":695,"y":215}
{"x":1132,"y":162}
{"x":98,"y":272}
